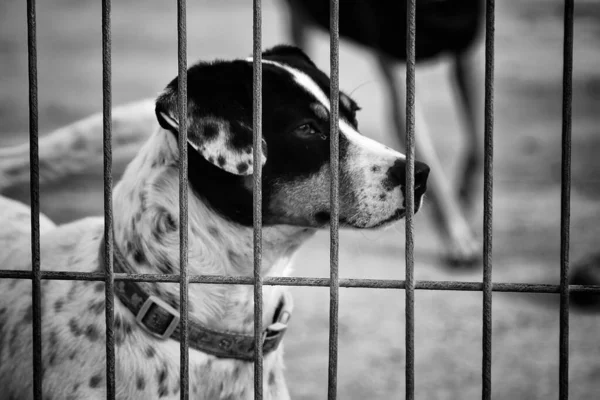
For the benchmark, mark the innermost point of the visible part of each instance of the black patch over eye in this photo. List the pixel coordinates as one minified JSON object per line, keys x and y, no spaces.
{"x":308,"y":131}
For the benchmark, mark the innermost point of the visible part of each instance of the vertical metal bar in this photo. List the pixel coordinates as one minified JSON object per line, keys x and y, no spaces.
{"x":334,"y":39}
{"x":183,"y":198}
{"x":487,"y":205}
{"x":565,"y":201}
{"x":36,"y":289}
{"x":108,"y":217}
{"x":410,"y":198}
{"x":257,"y":196}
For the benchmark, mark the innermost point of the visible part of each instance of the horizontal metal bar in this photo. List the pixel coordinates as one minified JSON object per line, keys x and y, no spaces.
{"x":464,"y":286}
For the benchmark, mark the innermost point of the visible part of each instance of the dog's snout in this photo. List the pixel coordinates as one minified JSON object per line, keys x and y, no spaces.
{"x":396,"y":175}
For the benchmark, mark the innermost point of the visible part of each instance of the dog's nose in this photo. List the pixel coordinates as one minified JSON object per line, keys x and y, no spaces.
{"x":396,"y":175}
{"x":421,"y":175}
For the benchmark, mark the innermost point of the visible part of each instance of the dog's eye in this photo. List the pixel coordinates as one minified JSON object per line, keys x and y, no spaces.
{"x":307,"y":130}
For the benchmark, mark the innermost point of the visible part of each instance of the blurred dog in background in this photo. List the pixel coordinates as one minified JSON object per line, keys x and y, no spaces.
{"x":444,"y":27}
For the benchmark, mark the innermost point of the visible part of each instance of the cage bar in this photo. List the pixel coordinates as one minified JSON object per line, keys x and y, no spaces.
{"x":257,"y":195}
{"x":410,"y":197}
{"x":487,"y":286}
{"x":465,"y":286}
{"x":183,"y":199}
{"x":565,"y":199}
{"x":36,"y":289}
{"x":108,"y":217}
{"x":334,"y":158}
{"x":488,"y":182}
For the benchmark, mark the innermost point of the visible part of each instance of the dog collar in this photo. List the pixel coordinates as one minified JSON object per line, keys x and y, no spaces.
{"x":161,"y":320}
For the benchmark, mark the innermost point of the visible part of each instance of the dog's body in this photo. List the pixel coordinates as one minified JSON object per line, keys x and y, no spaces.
{"x":443,"y":28}
{"x":295,"y":163}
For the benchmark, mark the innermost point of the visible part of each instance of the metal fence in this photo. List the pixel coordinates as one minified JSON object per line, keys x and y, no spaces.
{"x":409,"y":284}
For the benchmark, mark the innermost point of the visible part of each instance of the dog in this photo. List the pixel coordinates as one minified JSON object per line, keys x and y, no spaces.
{"x":443,"y":27}
{"x":296,"y":187}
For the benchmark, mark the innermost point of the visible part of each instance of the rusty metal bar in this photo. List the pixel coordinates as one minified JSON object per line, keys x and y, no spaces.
{"x":36,"y":289}
{"x":488,"y":202}
{"x":410,"y":197}
{"x":463,"y":286}
{"x":565,"y":199}
{"x":183,"y":199}
{"x":257,"y":197}
{"x":334,"y":152}
{"x":108,"y":182}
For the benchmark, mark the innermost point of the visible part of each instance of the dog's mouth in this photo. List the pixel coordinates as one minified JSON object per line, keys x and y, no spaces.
{"x":323,"y":218}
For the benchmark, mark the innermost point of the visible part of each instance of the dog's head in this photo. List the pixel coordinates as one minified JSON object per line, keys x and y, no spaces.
{"x":295,"y":149}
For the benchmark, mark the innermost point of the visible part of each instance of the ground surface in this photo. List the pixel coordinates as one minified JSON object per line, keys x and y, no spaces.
{"x":371,"y":331}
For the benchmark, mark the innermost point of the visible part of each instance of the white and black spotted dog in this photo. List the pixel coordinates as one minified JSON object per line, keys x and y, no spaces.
{"x":295,"y":165}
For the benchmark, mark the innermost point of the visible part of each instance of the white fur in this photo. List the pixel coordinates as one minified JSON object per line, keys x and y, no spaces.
{"x":78,"y":362}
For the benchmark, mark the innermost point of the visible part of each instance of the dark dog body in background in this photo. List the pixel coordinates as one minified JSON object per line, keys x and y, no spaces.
{"x":444,"y":28}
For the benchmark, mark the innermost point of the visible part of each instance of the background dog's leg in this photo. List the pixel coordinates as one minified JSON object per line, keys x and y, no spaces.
{"x":468,"y":84}
{"x":78,"y":146}
{"x":298,"y":25}
{"x":459,"y":240}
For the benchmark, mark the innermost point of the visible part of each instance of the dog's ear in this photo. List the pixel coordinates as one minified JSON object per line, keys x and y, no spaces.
{"x":225,"y":143}
{"x":289,"y":55}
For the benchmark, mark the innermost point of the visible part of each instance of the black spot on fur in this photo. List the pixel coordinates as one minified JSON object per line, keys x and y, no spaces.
{"x":234,"y":258}
{"x":375,"y":168}
{"x":122,"y":329}
{"x":96,"y":307}
{"x":72,"y":357}
{"x":58,"y":304}
{"x":221,"y":160}
{"x":75,"y":329}
{"x":52,"y":357}
{"x":92,"y":333}
{"x":53,"y":339}
{"x":382,"y":196}
{"x":271,"y":378}
{"x":214,"y":232}
{"x":242,"y":167}
{"x":139,"y":257}
{"x":150,"y":352}
{"x":72,"y":291}
{"x":144,"y":199}
{"x":163,"y":391}
{"x":28,"y":316}
{"x":162,"y":375}
{"x":99,"y":287}
{"x":140,"y":382}
{"x":95,"y":381}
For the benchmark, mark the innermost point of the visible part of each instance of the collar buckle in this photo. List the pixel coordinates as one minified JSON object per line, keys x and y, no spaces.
{"x":147,"y":317}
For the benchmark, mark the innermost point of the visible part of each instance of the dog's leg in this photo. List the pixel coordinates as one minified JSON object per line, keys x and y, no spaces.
{"x":461,"y":246}
{"x":298,"y":25}
{"x":78,"y":146}
{"x":468,"y":84}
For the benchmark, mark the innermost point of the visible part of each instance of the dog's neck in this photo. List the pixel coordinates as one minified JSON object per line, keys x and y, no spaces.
{"x":146,"y":215}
